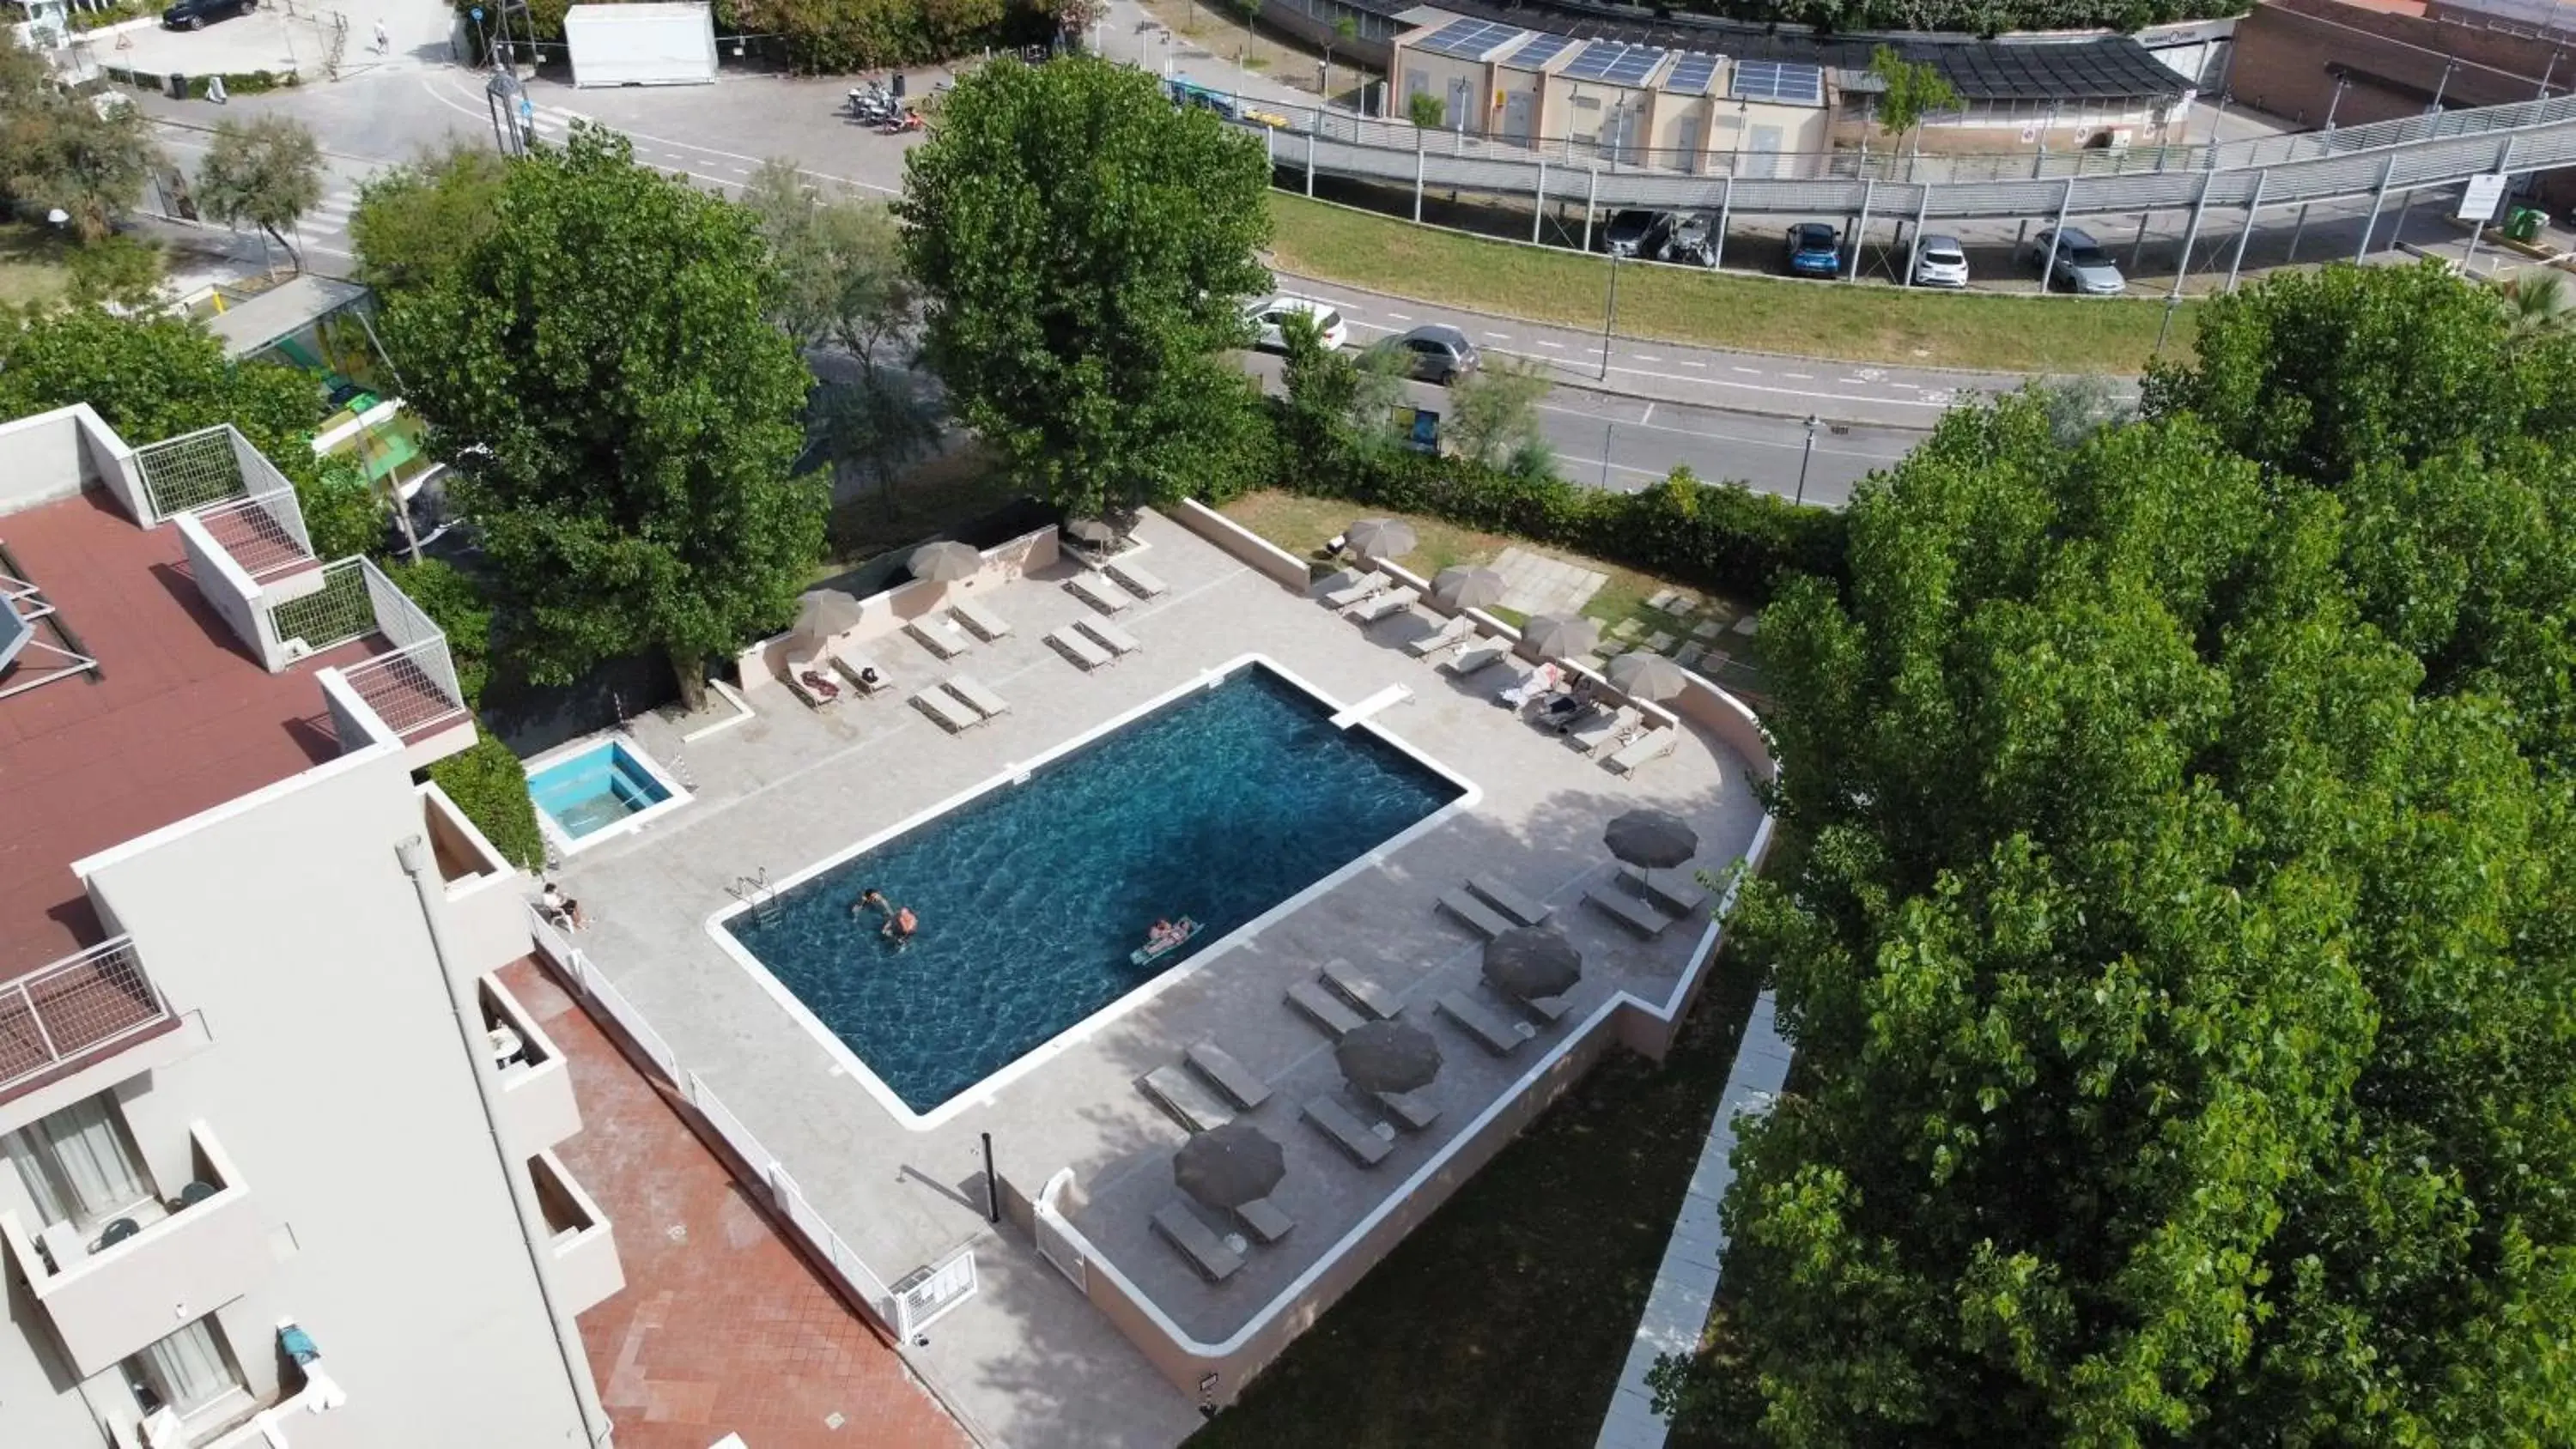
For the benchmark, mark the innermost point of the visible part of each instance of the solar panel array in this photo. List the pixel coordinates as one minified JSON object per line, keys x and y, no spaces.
{"x":1616,"y":64}
{"x":1541,"y":49}
{"x":1773,"y":80}
{"x":1468,"y":37}
{"x":1693,"y":74}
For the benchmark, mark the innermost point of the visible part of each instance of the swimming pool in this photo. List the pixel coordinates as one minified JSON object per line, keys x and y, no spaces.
{"x":599,"y":790}
{"x":1218,"y":805}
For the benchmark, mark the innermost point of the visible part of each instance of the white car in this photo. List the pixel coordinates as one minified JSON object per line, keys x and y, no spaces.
{"x":1268,"y":316}
{"x":1940,"y":262}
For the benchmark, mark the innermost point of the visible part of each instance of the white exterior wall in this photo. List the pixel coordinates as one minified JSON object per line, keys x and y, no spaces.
{"x":340,"y":1088}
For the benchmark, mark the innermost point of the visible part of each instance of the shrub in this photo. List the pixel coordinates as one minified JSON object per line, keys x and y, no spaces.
{"x":489,"y":784}
{"x":455,"y":604}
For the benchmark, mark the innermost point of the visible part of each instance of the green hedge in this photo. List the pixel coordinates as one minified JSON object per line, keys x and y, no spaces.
{"x":236,"y":82}
{"x":489,"y":784}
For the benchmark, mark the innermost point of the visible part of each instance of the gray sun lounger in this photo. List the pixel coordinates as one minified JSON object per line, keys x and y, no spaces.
{"x":1179,"y":1093}
{"x":1497,"y":1035}
{"x":855,"y":665}
{"x":1409,"y":1110}
{"x":1078,"y":647}
{"x":982,"y":700}
{"x":1356,"y":590}
{"x":1628,"y":911}
{"x":1360,"y":991}
{"x":987,"y":625}
{"x":1378,"y":606}
{"x":1650,"y":746}
{"x":1676,"y":890}
{"x":1503,"y":897}
{"x":1324,"y":1009}
{"x":1478,"y":917}
{"x":1348,"y":1132}
{"x":1092,"y":589}
{"x":1481,"y":654}
{"x":1549,"y":1009}
{"x":1601,"y":729}
{"x":1227,"y":1075}
{"x":1451,"y":633}
{"x":1197,"y":1242}
{"x":1263,"y":1220}
{"x":953,"y":714}
{"x":1109,"y":636}
{"x":1135,"y":579}
{"x":939,"y":636}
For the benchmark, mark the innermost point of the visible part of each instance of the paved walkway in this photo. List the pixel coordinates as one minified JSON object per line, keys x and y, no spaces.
{"x":1677,"y":1309}
{"x":721,"y":1327}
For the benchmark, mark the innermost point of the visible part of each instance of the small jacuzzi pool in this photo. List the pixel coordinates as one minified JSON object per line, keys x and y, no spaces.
{"x":599,"y":790}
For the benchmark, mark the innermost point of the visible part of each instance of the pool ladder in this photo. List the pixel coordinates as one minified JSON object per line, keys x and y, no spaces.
{"x":755,"y":891}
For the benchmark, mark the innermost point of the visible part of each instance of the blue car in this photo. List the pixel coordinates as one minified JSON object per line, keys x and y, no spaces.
{"x":1815,"y":251}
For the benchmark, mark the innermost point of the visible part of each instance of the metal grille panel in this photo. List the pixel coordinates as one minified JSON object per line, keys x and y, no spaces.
{"x":190,"y":471}
{"x":335,"y":614}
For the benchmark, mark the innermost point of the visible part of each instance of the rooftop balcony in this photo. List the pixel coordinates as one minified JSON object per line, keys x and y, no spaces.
{"x":534,"y":1091}
{"x":580,"y":1248}
{"x":77,"y":1011}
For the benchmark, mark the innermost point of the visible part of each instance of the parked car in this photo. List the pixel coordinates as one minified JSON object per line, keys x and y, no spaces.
{"x":1815,"y":250}
{"x":1268,"y":316}
{"x":1434,"y":353}
{"x":1637,"y":233}
{"x":193,"y":14}
{"x":1940,"y":262}
{"x":2082,"y":265}
{"x":1694,"y":241}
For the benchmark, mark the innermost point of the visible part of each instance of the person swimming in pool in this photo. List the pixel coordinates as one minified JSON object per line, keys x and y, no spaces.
{"x":871,"y":899}
{"x":900,"y":925}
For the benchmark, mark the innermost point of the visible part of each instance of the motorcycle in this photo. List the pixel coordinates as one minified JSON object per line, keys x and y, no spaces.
{"x":910,"y":120}
{"x":872,"y":104}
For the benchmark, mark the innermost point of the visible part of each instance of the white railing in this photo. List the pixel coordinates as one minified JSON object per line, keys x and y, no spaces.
{"x":263,"y":532}
{"x":207,"y":466}
{"x":411,"y":689}
{"x":74,"y":1008}
{"x":939,"y":1287}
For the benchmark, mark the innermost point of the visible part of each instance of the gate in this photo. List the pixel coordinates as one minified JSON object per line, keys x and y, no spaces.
{"x":924,"y":1298}
{"x":1053,"y":1244}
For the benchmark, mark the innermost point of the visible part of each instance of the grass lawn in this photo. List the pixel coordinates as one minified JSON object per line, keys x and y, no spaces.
{"x":1859,"y":323}
{"x":1503,"y":1321}
{"x":31,"y":268}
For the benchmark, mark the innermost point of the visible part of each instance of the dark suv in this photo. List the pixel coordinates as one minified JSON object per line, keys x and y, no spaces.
{"x":193,"y":14}
{"x":1637,"y":233}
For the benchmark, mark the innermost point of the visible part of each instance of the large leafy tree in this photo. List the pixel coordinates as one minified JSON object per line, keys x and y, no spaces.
{"x":2175,"y":928}
{"x":623,"y":414}
{"x":264,"y":172}
{"x":1086,"y":250}
{"x":417,"y":222}
{"x":70,"y":153}
{"x":839,"y":264}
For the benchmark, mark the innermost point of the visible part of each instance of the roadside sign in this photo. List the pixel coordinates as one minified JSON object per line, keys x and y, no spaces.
{"x":2479,"y":198}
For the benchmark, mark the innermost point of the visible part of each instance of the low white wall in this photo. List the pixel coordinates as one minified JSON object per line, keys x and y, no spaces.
{"x":229,"y":591}
{"x":763,"y":666}
{"x":487,"y":911}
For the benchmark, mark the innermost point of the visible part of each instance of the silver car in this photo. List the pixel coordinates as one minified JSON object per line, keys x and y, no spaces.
{"x":2082,"y":265}
{"x":1940,"y":262}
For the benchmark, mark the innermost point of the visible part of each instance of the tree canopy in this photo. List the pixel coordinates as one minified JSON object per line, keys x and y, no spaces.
{"x":1086,"y":250}
{"x":417,"y":222}
{"x":2174,"y":921}
{"x":264,"y":172}
{"x":623,"y":415}
{"x":83,"y":156}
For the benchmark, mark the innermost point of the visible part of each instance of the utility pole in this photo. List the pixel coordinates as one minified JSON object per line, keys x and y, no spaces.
{"x":1610,"y":315}
{"x":1805,"y":458}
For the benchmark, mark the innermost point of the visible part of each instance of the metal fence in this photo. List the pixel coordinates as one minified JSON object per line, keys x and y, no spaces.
{"x":190,"y":471}
{"x":411,"y":690}
{"x":264,"y":532}
{"x":341,"y":610}
{"x":75,"y":1007}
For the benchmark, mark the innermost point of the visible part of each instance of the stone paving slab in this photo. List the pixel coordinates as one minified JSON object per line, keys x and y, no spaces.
{"x":1533,"y":583}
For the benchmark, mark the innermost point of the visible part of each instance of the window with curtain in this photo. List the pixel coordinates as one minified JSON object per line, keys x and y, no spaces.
{"x":184,"y":1372}
{"x":77,"y":1164}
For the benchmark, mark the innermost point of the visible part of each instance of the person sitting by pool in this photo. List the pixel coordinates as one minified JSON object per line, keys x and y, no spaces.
{"x":871,"y":899}
{"x":1544,"y":681}
{"x":564,"y":910}
{"x":900,"y":926}
{"x":819,"y":686}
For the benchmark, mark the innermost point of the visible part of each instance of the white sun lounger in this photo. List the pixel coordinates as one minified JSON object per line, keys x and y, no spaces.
{"x":1360,"y":991}
{"x":1639,"y":752}
{"x":1110,"y":636}
{"x":1628,"y":911}
{"x":1508,"y":900}
{"x":987,"y":625}
{"x":978,"y":698}
{"x":1480,"y":654}
{"x":1359,"y":588}
{"x":814,"y":695}
{"x":1601,"y":729}
{"x":1096,"y":591}
{"x":1136,"y":579}
{"x":1491,"y":1031}
{"x":1409,"y":1110}
{"x":1197,"y":1242}
{"x":1475,"y":914}
{"x":1078,"y":647}
{"x":1451,"y":633}
{"x":1263,"y":1220}
{"x":1324,"y":1009}
{"x":1378,"y":606}
{"x":953,"y":714}
{"x":1227,"y":1075}
{"x":1179,"y":1093}
{"x":939,"y":636}
{"x":1348,"y":1132}
{"x":1676,"y":890}
{"x":856,"y":665}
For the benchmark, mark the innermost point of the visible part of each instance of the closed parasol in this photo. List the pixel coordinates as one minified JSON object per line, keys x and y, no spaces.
{"x":1388,"y":1056}
{"x":1228,"y":1166}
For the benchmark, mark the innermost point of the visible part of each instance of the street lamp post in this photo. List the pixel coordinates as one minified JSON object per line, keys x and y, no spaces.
{"x":1809,"y":456}
{"x":1610,"y":312}
{"x":2342,"y":84}
{"x":2442,"y":85}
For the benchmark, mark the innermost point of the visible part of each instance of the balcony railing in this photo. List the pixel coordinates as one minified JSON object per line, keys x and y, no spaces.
{"x":78,"y":1008}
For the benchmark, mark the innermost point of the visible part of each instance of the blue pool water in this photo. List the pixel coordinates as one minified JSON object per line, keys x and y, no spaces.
{"x":596,"y":788}
{"x":1217,"y":806}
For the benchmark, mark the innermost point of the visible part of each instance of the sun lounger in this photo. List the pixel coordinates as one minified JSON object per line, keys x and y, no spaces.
{"x":952,"y":713}
{"x":1263,"y":1220}
{"x":939,"y":636}
{"x":1637,"y":753}
{"x":1477,"y":916}
{"x":856,"y":665}
{"x":1504,"y":898}
{"x":1137,"y":581}
{"x":1078,"y":647}
{"x":813,"y":682}
{"x":1348,"y":1132}
{"x":1197,"y":1242}
{"x":1324,"y":1009}
{"x":1480,"y":654}
{"x":1378,"y":606}
{"x":1629,"y":911}
{"x":1360,"y":991}
{"x":1449,"y":635}
{"x":1599,"y":730}
{"x":1227,"y":1075}
{"x":982,"y":700}
{"x":1098,"y":592}
{"x":1677,"y":890}
{"x":1549,"y":1009}
{"x":1109,"y":636}
{"x":986,"y":624}
{"x":1358,"y":589}
{"x":1179,"y":1093}
{"x":1495,"y":1034}
{"x":1409,"y":1110}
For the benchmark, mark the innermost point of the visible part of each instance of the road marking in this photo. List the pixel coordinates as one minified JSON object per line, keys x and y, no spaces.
{"x":1400,"y":317}
{"x":1646,"y":417}
{"x":1594,"y":466}
{"x":1644,"y":357}
{"x":1908,"y":386}
{"x":1500,"y":336}
{"x":444,"y":97}
{"x":1799,"y":376}
{"x":1747,"y":371}
{"x":1559,"y":346}
{"x":1686,"y":362}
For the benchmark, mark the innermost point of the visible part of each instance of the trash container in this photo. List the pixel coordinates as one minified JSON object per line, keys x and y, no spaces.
{"x":178,"y":86}
{"x":2523,"y":223}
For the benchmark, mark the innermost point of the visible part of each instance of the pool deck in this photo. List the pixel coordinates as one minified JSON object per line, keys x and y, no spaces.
{"x":1028,"y":1361}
